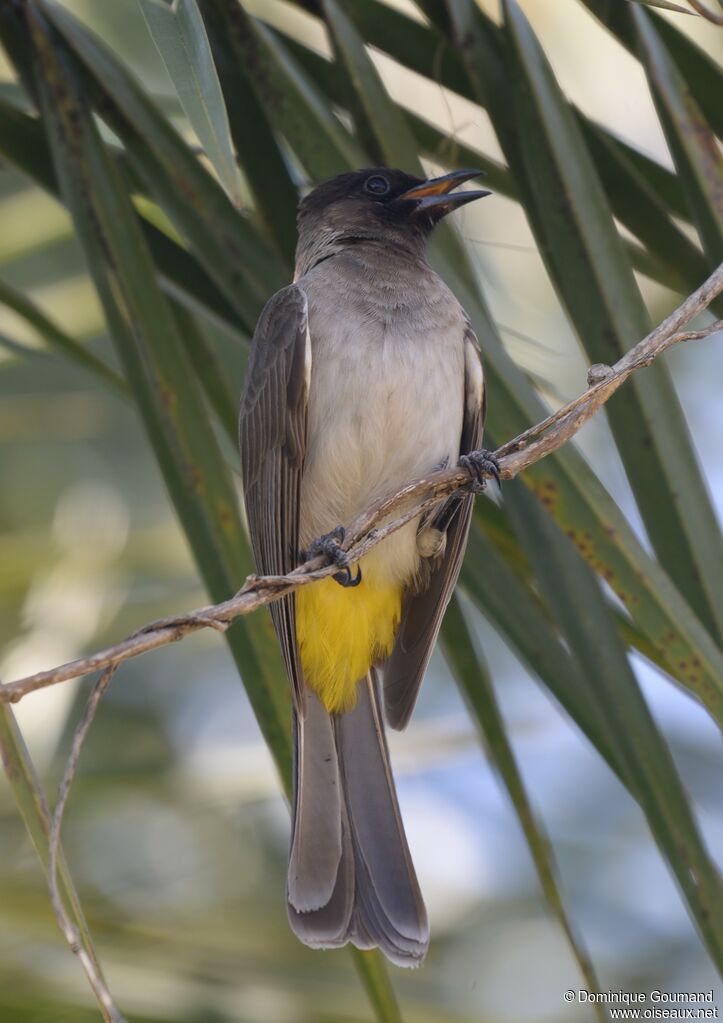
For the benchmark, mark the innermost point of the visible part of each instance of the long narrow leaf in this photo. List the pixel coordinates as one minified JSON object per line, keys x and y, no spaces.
{"x":505,"y":601}
{"x":180,"y":37}
{"x":290,"y":100}
{"x":472,"y":674}
{"x":57,"y":339}
{"x":258,"y":147}
{"x":610,"y":685}
{"x":701,"y":72}
{"x":449,"y":152}
{"x":144,"y":332}
{"x":419,"y":47}
{"x":205,"y":365}
{"x":379,"y":122}
{"x":494,"y":523}
{"x":582,"y":508}
{"x":689,"y":137}
{"x":240,"y":260}
{"x":570,"y":216}
{"x":571,"y":493}
{"x":645,"y":213}
{"x":23,"y":144}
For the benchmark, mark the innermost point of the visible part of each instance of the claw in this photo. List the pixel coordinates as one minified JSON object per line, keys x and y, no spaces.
{"x":329,"y":546}
{"x":346,"y":579}
{"x":480,"y":465}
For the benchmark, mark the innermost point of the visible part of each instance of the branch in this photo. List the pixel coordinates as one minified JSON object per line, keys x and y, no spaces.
{"x":71,"y":933}
{"x":393,"y":512}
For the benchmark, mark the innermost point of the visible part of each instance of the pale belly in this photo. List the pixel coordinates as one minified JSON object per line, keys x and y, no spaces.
{"x":380,"y":414}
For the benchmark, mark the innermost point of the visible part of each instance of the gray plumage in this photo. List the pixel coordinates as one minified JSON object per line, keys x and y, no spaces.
{"x":363,"y":374}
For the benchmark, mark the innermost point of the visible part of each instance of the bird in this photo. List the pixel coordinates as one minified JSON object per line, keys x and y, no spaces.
{"x":364,"y":374}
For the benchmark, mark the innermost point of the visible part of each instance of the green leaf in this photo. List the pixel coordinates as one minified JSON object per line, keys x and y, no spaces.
{"x":380,"y":124}
{"x":609,"y":684}
{"x":144,"y":332}
{"x":259,"y":150}
{"x":179,"y":34}
{"x":430,"y":54}
{"x":204,"y":363}
{"x":493,"y":522}
{"x":702,"y":73}
{"x":691,"y":141}
{"x":639,"y":205}
{"x":57,"y":339}
{"x":653,"y":609}
{"x":663,"y":182}
{"x":23,"y":144}
{"x":567,"y":488}
{"x":511,"y":607}
{"x":582,"y":250}
{"x":292,"y":102}
{"x":233,"y":252}
{"x":465,"y":659}
{"x":387,"y":136}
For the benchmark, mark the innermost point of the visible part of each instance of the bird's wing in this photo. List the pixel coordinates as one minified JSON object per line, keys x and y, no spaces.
{"x":272,"y":436}
{"x":422,"y":612}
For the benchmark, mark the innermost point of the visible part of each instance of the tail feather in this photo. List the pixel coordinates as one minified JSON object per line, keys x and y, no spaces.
{"x":388,"y":899}
{"x":351,"y":876}
{"x":316,"y":848}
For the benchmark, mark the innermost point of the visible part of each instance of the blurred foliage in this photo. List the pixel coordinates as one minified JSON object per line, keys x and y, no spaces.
{"x":129,"y":285}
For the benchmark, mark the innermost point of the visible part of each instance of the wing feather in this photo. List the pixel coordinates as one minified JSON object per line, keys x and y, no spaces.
{"x":272,"y":440}
{"x":422,"y":612}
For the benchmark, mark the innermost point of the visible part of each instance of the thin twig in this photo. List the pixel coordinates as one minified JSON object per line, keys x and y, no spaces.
{"x":390,"y":514}
{"x":70,"y":931}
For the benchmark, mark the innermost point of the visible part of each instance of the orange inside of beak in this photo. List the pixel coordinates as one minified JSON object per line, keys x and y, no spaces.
{"x":437,"y":186}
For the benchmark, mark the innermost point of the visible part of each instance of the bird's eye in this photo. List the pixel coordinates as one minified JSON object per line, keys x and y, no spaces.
{"x":377,"y":185}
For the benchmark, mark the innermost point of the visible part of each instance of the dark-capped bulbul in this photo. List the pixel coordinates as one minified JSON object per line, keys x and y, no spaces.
{"x":364,"y":374}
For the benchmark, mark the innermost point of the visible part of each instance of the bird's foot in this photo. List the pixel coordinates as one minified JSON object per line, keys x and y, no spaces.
{"x":481,"y":465}
{"x":329,"y":547}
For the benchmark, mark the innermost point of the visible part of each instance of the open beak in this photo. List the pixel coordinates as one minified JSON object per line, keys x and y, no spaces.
{"x":436,"y":194}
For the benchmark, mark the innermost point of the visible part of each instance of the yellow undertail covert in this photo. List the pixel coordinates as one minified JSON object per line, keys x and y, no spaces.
{"x":342,"y":631}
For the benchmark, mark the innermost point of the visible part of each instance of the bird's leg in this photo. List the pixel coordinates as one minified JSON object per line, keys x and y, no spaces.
{"x":329,"y":546}
{"x":481,"y":465}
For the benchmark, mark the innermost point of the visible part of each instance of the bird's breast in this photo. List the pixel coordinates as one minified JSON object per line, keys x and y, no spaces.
{"x":385,"y":402}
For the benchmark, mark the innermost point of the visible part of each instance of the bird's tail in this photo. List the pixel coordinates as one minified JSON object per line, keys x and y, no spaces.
{"x":351,"y":877}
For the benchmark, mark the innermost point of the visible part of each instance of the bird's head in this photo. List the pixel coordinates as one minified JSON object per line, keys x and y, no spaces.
{"x":378,"y":204}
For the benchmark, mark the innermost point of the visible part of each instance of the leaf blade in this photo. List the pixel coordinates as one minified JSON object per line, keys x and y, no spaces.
{"x":145,"y":336}
{"x":570,"y":216}
{"x":56,"y":339}
{"x":180,"y":38}
{"x":689,"y":137}
{"x":472,"y":676}
{"x":577,"y":601}
{"x":291,"y":101}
